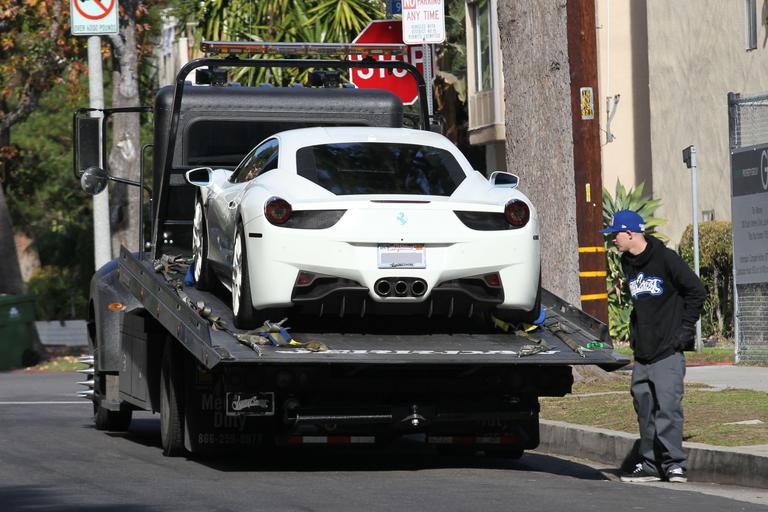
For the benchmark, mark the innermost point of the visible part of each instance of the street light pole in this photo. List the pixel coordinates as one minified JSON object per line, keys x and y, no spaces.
{"x":689,"y":158}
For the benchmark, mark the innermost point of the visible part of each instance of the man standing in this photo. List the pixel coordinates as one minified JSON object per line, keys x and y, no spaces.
{"x":667,"y":299}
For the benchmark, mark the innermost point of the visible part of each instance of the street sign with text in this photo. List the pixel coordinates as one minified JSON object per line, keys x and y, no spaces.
{"x":397,"y":81}
{"x":94,"y":17}
{"x":423,"y":21}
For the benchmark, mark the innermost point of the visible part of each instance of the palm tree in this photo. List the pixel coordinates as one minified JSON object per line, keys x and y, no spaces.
{"x":322,"y":21}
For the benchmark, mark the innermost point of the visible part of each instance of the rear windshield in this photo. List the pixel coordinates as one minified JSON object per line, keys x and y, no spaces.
{"x":380,"y":168}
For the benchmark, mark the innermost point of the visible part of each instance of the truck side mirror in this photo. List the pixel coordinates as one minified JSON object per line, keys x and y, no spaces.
{"x":87,"y":147}
{"x":94,"y":180}
{"x":200,"y":177}
{"x":504,"y":179}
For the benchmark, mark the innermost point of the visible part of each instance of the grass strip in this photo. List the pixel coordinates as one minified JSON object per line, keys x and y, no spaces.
{"x":709,"y":415}
{"x":708,"y":355}
{"x":59,"y":364}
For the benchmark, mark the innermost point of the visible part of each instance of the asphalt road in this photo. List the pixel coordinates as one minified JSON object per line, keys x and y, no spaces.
{"x":52,"y":460}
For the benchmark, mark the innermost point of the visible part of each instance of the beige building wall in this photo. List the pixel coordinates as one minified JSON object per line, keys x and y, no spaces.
{"x":622,"y":46}
{"x":697,"y":54}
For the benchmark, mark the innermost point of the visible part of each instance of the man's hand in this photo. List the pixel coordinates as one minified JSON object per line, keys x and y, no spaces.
{"x":684,"y":338}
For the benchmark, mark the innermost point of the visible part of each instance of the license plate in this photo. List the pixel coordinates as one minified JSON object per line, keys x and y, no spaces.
{"x":402,"y":256}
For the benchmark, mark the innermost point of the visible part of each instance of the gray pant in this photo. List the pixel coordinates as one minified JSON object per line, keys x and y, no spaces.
{"x":657,"y":391}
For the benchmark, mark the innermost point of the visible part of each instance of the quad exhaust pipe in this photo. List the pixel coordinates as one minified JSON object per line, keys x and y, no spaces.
{"x":400,"y":287}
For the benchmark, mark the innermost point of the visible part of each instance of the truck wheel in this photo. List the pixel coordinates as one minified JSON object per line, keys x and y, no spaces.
{"x":242,"y":307}
{"x":171,"y":413}
{"x":201,"y":270}
{"x":114,"y":421}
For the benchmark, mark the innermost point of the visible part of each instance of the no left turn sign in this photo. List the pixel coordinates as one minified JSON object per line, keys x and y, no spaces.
{"x":94,"y":17}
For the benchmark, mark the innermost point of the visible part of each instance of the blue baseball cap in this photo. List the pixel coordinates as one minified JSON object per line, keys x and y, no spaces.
{"x":625,"y":220}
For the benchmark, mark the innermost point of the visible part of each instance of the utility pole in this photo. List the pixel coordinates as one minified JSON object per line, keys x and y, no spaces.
{"x":102,"y":243}
{"x":582,"y":56}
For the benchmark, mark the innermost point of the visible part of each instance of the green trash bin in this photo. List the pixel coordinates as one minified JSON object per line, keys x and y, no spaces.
{"x":17,"y":331}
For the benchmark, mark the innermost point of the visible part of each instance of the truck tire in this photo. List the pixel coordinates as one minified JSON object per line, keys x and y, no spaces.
{"x":201,"y":270}
{"x":113,"y":421}
{"x":242,"y":306}
{"x":171,"y":412}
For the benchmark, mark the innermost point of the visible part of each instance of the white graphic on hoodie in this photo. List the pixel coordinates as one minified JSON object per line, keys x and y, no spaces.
{"x":646,"y":285}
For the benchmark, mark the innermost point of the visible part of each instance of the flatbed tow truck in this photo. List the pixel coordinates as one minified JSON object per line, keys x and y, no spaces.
{"x":161,"y":346}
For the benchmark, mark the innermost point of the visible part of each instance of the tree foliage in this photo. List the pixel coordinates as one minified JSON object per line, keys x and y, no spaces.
{"x":322,"y":21}
{"x":35,"y":54}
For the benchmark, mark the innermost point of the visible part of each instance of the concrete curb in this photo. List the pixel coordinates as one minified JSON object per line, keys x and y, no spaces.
{"x":745,"y":466}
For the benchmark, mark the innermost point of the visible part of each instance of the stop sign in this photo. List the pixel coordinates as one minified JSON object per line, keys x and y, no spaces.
{"x":398,"y":81}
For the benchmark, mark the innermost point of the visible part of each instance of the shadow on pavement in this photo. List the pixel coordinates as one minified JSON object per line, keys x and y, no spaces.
{"x":20,"y":498}
{"x":401,"y":455}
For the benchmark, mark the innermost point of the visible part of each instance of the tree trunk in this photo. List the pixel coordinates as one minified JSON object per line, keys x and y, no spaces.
{"x":534,"y":45}
{"x":10,"y":273}
{"x":124,"y":157}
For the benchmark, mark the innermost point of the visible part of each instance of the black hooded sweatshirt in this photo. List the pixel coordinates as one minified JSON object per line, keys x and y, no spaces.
{"x":667,"y":297}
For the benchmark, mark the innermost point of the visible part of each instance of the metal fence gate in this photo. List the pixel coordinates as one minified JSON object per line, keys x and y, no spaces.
{"x":748,"y":127}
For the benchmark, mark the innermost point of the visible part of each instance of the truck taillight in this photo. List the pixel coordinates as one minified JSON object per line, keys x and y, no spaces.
{"x":517,"y":213}
{"x":277,"y":211}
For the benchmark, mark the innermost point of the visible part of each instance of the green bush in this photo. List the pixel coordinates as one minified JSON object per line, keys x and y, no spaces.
{"x":619,"y":305}
{"x":716,"y":270}
{"x":57,"y":298}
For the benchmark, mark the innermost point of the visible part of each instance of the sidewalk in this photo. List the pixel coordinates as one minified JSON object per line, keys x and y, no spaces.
{"x":744,"y":465}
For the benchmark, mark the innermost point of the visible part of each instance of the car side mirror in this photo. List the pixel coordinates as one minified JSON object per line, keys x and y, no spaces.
{"x":200,"y":177}
{"x":94,"y":180}
{"x":504,"y":179}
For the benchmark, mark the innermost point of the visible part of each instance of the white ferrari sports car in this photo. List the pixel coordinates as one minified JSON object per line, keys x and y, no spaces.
{"x":365,"y":221}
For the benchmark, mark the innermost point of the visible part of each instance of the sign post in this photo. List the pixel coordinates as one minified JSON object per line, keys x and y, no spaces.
{"x":424,"y":23}
{"x":689,"y":159}
{"x":94,"y":18}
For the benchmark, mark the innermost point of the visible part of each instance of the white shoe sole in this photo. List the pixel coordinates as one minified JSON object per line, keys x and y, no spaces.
{"x":634,"y":479}
{"x":678,"y":479}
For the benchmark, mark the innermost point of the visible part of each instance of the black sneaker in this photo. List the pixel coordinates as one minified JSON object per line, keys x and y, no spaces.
{"x":677,"y":474}
{"x":640,"y":474}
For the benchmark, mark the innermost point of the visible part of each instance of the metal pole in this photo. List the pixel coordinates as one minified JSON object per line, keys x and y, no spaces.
{"x":102,"y":245}
{"x":694,"y":209}
{"x":426,"y":48}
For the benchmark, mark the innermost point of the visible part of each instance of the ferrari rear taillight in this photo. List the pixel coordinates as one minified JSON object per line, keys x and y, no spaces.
{"x":493,"y":280}
{"x":305,"y":279}
{"x":277,"y":211}
{"x":517,"y":213}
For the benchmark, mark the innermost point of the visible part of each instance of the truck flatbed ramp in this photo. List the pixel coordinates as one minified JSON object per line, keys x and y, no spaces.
{"x":562,"y":339}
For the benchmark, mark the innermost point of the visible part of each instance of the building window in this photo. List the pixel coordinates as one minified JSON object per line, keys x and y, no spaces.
{"x":707,"y":215}
{"x":483,"y":48}
{"x":751,"y":28}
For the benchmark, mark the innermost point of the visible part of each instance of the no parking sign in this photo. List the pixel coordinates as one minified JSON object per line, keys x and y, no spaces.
{"x":94,"y":17}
